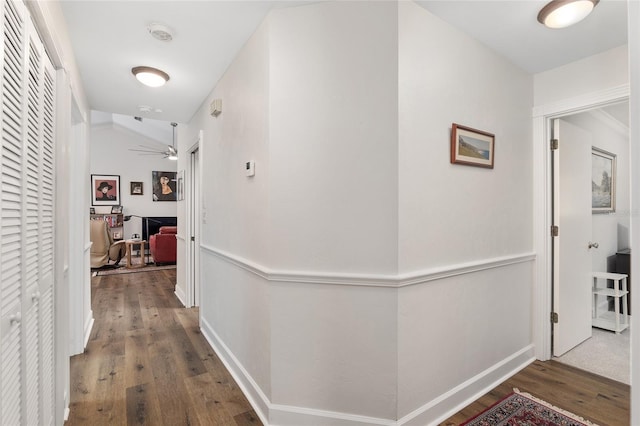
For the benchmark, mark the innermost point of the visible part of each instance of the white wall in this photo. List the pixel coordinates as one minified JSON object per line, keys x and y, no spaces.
{"x":235,"y":307}
{"x":458,"y":327}
{"x":320,"y":280}
{"x":593,"y":74}
{"x":451,"y":213}
{"x":333,"y":205}
{"x":110,"y":156}
{"x":333,"y":137}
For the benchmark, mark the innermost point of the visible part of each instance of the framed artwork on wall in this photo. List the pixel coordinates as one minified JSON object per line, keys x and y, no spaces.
{"x":136,"y":188}
{"x":603,"y":181}
{"x":471,"y":147}
{"x":116,"y":209}
{"x":105,"y":190}
{"x":164,"y":186}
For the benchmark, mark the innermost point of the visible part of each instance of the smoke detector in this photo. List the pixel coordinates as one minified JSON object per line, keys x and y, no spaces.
{"x":160,"y":32}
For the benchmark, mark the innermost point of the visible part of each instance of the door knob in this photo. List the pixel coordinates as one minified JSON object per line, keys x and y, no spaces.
{"x":593,"y":245}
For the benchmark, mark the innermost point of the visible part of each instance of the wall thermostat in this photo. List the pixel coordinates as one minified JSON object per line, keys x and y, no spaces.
{"x":250,"y":168}
{"x":215,"y":108}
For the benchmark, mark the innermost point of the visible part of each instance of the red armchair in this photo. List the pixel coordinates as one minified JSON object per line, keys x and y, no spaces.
{"x":163,"y":245}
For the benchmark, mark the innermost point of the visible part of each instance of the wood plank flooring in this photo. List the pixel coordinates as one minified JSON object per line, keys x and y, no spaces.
{"x":147,"y":363}
{"x":595,"y":398}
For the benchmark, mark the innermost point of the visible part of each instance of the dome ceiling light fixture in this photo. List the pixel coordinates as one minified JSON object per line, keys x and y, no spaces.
{"x":564,"y":13}
{"x":150,"y":76}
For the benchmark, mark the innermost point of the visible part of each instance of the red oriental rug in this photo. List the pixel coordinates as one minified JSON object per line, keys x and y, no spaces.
{"x":520,"y":409}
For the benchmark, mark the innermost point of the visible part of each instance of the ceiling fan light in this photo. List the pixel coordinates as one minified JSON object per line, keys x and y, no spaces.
{"x":149,"y":76}
{"x":564,"y":13}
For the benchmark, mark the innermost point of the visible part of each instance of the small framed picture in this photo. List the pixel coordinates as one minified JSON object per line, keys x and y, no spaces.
{"x":116,"y":209}
{"x":92,"y":210}
{"x":471,"y":147}
{"x":136,"y":188}
{"x":117,"y":235}
{"x":105,"y":190}
{"x":603,"y":181}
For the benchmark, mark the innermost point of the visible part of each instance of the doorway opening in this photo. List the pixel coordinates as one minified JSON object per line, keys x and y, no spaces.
{"x":193,"y":225}
{"x":590,"y":204}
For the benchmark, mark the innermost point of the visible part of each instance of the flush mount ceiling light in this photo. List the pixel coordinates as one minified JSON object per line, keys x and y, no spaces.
{"x":564,"y":13}
{"x":149,"y":76}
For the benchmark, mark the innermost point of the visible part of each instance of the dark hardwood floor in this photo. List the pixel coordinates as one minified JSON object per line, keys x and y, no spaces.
{"x":147,"y":363}
{"x":595,"y":398}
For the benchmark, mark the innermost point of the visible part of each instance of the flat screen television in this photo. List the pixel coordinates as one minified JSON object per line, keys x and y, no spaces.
{"x":155,"y":222}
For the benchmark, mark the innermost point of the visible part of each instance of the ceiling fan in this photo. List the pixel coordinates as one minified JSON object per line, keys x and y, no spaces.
{"x":171,"y":152}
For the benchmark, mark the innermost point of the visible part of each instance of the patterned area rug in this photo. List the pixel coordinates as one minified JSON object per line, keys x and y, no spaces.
{"x":121,"y":268}
{"x":522,"y":409}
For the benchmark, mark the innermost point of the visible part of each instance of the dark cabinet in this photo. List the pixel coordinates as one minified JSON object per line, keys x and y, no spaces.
{"x":623,"y":266}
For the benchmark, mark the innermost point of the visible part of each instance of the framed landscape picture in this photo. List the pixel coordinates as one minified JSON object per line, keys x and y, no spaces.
{"x":471,"y":147}
{"x":603,"y":181}
{"x":105,"y":190}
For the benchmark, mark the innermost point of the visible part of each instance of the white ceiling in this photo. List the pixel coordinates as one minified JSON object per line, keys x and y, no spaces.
{"x":111,"y":37}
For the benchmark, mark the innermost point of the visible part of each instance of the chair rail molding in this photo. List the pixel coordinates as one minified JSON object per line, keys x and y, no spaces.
{"x":370,"y":280}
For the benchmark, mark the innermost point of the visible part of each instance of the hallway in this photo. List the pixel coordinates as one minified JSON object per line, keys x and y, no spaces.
{"x":147,"y":363}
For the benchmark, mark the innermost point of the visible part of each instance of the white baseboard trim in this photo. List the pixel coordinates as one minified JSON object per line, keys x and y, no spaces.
{"x":286,"y":415}
{"x":87,"y":330}
{"x":459,"y":397}
{"x":180,"y":295}
{"x":431,"y":413}
{"x":249,"y":387}
{"x":280,"y":415}
{"x":67,"y":411}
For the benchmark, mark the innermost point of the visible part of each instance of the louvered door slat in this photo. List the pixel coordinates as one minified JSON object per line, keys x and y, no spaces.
{"x":11,"y":372}
{"x":47,"y":349}
{"x":32,"y":354}
{"x":48,"y":161}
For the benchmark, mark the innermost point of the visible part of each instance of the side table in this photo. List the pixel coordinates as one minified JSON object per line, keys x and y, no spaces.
{"x":130,"y":246}
{"x":619,"y":292}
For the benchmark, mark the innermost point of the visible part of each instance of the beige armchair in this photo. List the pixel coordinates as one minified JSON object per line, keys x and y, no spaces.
{"x":103,"y":248}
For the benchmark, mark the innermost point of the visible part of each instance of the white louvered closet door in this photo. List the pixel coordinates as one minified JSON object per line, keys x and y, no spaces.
{"x":26,"y":223}
{"x":11,"y":241}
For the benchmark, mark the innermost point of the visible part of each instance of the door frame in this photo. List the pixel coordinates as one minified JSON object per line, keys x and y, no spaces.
{"x":543,"y":193}
{"x":192,"y":252}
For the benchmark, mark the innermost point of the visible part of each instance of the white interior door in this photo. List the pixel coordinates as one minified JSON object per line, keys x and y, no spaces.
{"x":572,"y":214}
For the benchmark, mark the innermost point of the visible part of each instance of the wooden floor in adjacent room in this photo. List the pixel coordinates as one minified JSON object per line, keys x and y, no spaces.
{"x":147,"y":363}
{"x":594,"y":398}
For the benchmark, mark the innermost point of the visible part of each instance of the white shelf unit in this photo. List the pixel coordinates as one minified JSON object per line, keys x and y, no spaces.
{"x":615,"y":321}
